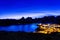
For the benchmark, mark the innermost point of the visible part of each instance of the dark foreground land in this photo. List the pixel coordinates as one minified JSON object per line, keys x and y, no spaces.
{"x":28,"y":36}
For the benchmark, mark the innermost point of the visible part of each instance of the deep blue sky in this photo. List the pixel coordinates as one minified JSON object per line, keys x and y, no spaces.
{"x":19,"y":8}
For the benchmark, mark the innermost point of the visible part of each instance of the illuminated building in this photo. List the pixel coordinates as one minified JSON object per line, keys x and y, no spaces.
{"x":48,"y":28}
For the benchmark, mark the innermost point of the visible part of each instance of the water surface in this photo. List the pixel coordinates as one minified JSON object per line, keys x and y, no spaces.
{"x":22,"y":28}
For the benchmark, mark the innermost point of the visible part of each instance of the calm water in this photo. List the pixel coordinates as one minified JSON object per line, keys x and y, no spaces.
{"x":23,"y":28}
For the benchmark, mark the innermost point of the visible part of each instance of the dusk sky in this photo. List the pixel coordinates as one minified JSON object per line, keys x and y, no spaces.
{"x":28,"y":8}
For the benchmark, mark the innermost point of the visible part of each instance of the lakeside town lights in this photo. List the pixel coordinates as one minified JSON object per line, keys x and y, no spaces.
{"x":48,"y":28}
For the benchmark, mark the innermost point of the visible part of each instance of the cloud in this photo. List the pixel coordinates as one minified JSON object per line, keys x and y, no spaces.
{"x":33,"y":15}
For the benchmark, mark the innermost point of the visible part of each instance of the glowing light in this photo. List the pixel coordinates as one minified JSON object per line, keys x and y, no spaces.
{"x":47,"y":29}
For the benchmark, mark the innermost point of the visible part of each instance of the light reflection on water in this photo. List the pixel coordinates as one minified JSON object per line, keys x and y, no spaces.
{"x":23,"y":28}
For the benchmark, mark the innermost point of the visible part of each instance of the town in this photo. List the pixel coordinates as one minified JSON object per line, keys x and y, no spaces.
{"x":48,"y":28}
